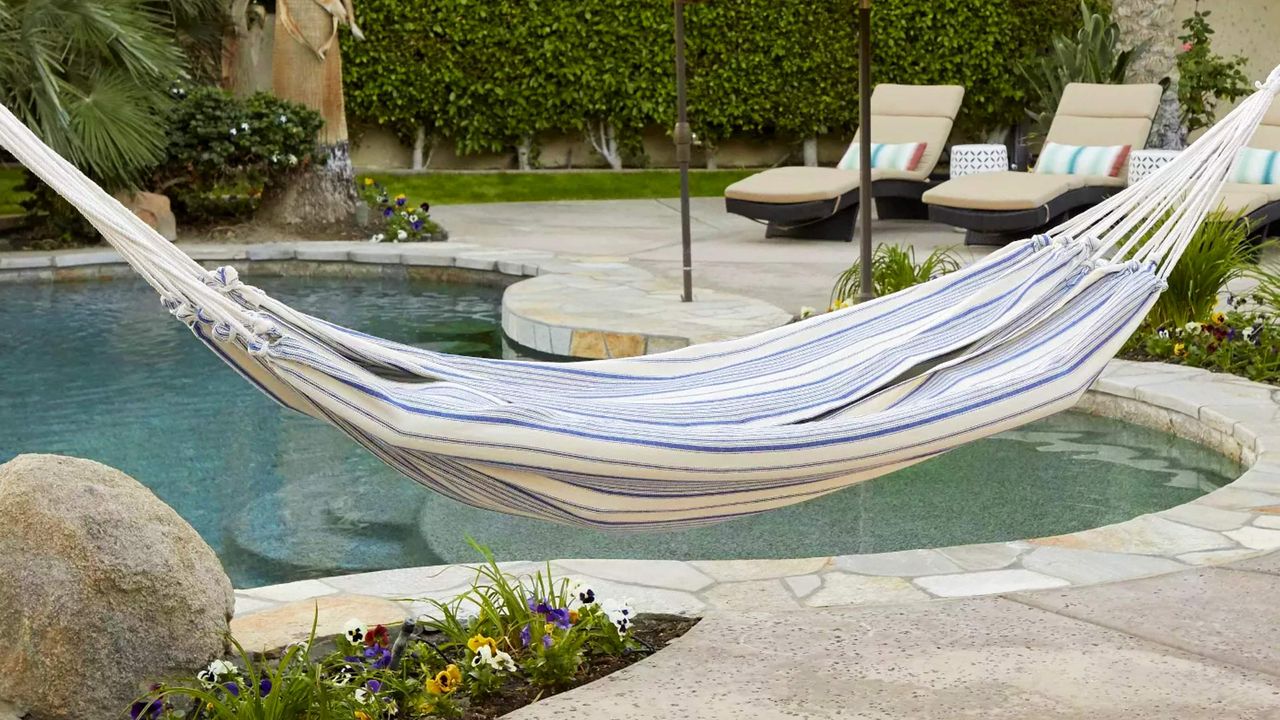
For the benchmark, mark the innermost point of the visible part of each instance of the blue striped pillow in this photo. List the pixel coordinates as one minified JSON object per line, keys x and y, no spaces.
{"x":1257,"y":167}
{"x":1059,"y":159}
{"x":884,"y":156}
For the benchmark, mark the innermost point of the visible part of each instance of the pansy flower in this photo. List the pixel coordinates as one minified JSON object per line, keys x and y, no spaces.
{"x":377,"y":636}
{"x":445,"y":681}
{"x":475,"y":642}
{"x":378,"y":656}
{"x":354,"y":630}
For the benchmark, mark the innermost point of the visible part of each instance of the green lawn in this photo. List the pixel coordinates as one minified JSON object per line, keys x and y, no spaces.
{"x":537,"y":186}
{"x":456,"y":188}
{"x":10,"y":195}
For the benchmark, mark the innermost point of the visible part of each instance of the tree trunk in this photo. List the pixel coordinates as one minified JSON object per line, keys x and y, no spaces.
{"x":246,"y":50}
{"x":322,"y":193}
{"x":523,"y":150}
{"x":811,"y":152}
{"x":604,"y":138}
{"x":419,"y":149}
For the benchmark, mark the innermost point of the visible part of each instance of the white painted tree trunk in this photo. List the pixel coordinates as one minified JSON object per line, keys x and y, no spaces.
{"x":712,"y":164}
{"x":523,"y":150}
{"x":419,"y":148}
{"x":604,"y":138}
{"x":811,"y":152}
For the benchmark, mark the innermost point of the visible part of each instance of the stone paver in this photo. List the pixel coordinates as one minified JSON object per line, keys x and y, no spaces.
{"x":988,"y":582}
{"x":982,"y":658}
{"x":292,"y":622}
{"x":1219,"y":613}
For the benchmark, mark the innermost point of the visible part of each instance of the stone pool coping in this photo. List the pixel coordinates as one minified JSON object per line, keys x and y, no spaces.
{"x":1240,"y":520}
{"x":561,"y":305}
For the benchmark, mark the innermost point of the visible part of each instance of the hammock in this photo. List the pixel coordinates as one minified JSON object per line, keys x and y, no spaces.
{"x":725,"y":429}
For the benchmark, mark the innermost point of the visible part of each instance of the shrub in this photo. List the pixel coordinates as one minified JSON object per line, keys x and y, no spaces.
{"x":1092,"y":55}
{"x":1241,"y":341}
{"x":892,"y":269}
{"x":224,"y":151}
{"x":1205,"y":77}
{"x":491,"y":75}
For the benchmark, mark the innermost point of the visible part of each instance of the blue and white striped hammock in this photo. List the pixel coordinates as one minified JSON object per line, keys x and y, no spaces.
{"x":721,"y":430}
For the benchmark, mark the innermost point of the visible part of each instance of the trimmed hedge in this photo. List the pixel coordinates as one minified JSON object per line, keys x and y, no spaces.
{"x":487,"y":73}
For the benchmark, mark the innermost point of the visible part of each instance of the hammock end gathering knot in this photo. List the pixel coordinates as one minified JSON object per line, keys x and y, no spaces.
{"x":1272,"y":83}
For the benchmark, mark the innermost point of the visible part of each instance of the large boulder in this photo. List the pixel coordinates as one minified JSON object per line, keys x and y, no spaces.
{"x":103,"y":589}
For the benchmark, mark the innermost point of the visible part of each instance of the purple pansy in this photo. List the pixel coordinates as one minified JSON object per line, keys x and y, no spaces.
{"x":379,"y":656}
{"x":264,"y":687}
{"x":232,"y":688}
{"x":373,"y":685}
{"x":388,"y":212}
{"x":524,"y":636}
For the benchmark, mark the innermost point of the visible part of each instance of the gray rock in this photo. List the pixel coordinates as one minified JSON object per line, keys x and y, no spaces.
{"x":103,"y":589}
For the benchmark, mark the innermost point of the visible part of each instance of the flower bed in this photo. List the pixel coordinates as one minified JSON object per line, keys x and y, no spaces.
{"x":504,"y":643}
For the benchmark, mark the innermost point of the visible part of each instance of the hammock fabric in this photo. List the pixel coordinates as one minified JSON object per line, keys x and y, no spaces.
{"x":725,"y":429}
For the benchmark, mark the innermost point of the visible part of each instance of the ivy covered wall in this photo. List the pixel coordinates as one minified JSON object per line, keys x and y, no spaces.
{"x":489,"y":75}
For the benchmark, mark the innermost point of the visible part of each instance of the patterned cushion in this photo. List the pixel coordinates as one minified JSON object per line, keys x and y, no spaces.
{"x":1059,"y":159}
{"x":1257,"y":167}
{"x":884,"y":156}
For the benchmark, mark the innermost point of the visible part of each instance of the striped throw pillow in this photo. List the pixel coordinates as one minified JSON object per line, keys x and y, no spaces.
{"x":1059,"y":159}
{"x":885,"y":156}
{"x":1257,"y":167}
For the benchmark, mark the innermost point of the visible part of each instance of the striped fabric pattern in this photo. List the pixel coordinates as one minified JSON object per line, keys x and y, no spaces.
{"x":1059,"y":159}
{"x":884,"y":156}
{"x":1255,"y":166}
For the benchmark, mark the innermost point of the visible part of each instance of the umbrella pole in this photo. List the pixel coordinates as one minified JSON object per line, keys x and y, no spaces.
{"x":684,"y":141}
{"x":864,"y":161}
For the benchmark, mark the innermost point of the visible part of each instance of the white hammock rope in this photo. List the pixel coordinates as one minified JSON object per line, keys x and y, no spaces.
{"x":724,"y":429}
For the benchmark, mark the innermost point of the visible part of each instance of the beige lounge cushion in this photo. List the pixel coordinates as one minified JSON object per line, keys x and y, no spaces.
{"x":1004,"y":190}
{"x":1244,"y":198}
{"x":794,"y":184}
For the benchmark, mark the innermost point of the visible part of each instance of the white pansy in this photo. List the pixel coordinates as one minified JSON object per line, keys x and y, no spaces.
{"x":354,"y":630}
{"x":361,"y":695}
{"x":1193,"y":327}
{"x":498,"y":661}
{"x":620,"y":614}
{"x":402,"y":235}
{"x":377,"y":237}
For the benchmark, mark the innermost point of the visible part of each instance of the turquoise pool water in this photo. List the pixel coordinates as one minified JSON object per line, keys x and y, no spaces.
{"x":99,"y":370}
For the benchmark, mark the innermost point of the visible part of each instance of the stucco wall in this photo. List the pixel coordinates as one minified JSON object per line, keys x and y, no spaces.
{"x":1242,"y":27}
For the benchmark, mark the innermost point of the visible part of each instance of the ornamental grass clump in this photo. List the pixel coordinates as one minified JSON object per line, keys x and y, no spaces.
{"x":505,"y":637}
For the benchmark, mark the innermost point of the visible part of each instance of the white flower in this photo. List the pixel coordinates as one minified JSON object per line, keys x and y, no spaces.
{"x":620,"y":614}
{"x":283,"y":119}
{"x":806,"y":312}
{"x":293,"y":159}
{"x":1193,"y":328}
{"x":402,"y":235}
{"x":1249,"y":332}
{"x":497,"y":661}
{"x":217,"y":671}
{"x":354,"y":630}
{"x":244,"y":126}
{"x":377,"y":237}
{"x":233,"y":132}
{"x":361,"y":695}
{"x":275,"y":157}
{"x":413,"y":218}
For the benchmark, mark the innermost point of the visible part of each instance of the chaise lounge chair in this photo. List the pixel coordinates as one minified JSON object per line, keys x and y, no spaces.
{"x":1103,"y":122}
{"x":1254,"y":189}
{"x":821,"y":203}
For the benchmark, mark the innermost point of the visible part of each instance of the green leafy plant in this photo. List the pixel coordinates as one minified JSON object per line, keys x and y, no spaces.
{"x":491,"y":76}
{"x":1218,"y":253}
{"x":1205,"y":78}
{"x":223,"y":152}
{"x":1242,"y":341}
{"x":399,"y":219}
{"x":892,"y":269}
{"x":503,"y":632}
{"x":1092,"y":55}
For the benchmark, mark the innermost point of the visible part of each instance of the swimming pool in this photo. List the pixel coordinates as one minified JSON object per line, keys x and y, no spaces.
{"x":99,"y":370}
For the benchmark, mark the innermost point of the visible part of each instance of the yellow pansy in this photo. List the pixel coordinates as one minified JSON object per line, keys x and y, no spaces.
{"x":362,"y":715}
{"x":573,"y":616}
{"x":1179,"y":350}
{"x":1219,"y":318}
{"x":368,"y":182}
{"x":445,"y":681}
{"x":478,"y":641}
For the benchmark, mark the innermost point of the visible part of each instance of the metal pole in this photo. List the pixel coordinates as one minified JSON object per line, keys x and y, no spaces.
{"x":684,"y":141}
{"x":864,"y":161}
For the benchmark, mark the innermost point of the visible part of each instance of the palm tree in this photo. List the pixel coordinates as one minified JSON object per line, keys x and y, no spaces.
{"x":91,"y":77}
{"x":307,"y":68}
